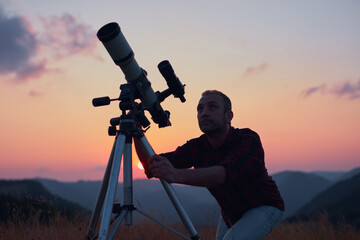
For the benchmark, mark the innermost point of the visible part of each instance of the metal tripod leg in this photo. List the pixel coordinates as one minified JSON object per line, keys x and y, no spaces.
{"x":101,"y":196}
{"x":122,"y":148}
{"x":110,"y":194}
{"x":128,"y":183}
{"x":172,"y":195}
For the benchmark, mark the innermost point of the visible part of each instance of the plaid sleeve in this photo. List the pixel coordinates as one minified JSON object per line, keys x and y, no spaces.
{"x":181,"y":157}
{"x":246,"y":159}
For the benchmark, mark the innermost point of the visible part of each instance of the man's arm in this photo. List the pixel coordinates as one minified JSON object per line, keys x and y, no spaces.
{"x":161,"y":167}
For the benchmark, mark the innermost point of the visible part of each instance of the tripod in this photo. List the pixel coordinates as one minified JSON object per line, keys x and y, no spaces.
{"x":123,"y":147}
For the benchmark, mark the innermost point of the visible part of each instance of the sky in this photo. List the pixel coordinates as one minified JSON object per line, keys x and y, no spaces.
{"x":291,"y":69}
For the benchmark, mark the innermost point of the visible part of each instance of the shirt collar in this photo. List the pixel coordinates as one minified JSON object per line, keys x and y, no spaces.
{"x":226,"y":143}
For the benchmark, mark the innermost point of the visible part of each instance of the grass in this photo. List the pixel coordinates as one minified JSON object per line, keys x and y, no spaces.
{"x":61,"y":228}
{"x":318,"y":229}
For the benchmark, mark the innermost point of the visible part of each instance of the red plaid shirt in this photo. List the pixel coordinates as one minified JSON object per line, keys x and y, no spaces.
{"x":247,"y":183}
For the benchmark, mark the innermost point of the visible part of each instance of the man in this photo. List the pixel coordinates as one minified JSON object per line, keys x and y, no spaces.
{"x":229,"y":162}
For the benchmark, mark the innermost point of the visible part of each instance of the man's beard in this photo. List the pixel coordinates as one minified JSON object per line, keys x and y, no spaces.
{"x":212,"y":128}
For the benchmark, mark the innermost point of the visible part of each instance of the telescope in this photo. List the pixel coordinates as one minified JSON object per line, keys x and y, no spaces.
{"x":123,"y":56}
{"x":137,"y":87}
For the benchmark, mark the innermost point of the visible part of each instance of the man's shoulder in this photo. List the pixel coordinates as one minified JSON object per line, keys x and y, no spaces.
{"x":197,"y":140}
{"x":244,"y":131}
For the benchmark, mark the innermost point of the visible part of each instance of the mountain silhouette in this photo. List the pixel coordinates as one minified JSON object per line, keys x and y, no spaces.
{"x":148,"y":195}
{"x":28,"y":198}
{"x":341,"y":202}
{"x":297,"y":188}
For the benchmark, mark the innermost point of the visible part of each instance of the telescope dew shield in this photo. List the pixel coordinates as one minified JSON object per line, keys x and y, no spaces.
{"x":123,"y":56}
{"x":119,"y":49}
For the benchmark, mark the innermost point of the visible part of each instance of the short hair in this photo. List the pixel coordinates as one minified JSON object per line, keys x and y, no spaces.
{"x":226,"y":99}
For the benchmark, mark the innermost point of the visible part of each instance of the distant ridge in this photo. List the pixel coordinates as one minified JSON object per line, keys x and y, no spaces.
{"x":341,"y":202}
{"x":27,"y":198}
{"x":297,"y":188}
{"x":149,"y":195}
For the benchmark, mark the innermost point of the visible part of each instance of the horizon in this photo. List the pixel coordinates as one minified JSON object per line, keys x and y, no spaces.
{"x":291,"y":71}
{"x":120,"y":180}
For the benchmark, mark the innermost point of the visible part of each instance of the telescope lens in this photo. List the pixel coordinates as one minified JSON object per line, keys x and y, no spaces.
{"x":108,"y":32}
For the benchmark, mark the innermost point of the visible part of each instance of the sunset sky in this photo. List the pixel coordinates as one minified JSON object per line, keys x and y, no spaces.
{"x":291,"y":69}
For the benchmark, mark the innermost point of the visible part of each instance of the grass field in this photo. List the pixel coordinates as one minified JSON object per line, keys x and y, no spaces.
{"x":60,"y":228}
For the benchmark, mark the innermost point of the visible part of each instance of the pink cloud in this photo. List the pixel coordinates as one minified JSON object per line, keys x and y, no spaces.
{"x":253,"y":70}
{"x":34,"y":93}
{"x":65,"y":36}
{"x":312,"y":90}
{"x":347,"y":89}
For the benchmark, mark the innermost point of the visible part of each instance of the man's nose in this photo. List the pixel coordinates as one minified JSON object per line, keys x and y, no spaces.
{"x":204,"y":112}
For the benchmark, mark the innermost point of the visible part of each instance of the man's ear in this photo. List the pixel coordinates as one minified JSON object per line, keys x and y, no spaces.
{"x":229,"y":116}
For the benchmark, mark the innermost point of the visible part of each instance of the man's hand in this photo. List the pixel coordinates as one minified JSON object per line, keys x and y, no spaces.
{"x":161,"y":167}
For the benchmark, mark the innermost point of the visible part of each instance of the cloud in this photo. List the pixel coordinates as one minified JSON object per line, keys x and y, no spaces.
{"x":64,"y":36}
{"x":312,"y":90}
{"x":18,"y":45}
{"x":34,"y":93}
{"x":255,"y":70}
{"x":42,"y":170}
{"x":347,"y":89}
{"x":98,"y":168}
{"x":26,"y":54}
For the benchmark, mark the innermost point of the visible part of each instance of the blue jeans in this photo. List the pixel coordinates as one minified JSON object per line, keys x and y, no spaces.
{"x":254,"y":224}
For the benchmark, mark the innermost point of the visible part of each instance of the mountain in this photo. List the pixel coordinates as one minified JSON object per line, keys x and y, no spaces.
{"x":350,"y":173}
{"x":83,"y":193}
{"x":28,"y":198}
{"x":332,"y":176}
{"x":297,"y":188}
{"x":341,"y":202}
{"x":148,"y":195}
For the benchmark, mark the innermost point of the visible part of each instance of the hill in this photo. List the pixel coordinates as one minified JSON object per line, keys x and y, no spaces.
{"x":341,"y":202}
{"x":297,"y":188}
{"x":29,"y":198}
{"x":83,"y":193}
{"x":149,"y":195}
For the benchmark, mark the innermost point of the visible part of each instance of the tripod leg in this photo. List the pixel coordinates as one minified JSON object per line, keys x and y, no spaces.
{"x":128,"y":183}
{"x":118,"y":221}
{"x":101,"y":196}
{"x":172,"y":195}
{"x":110,"y":194}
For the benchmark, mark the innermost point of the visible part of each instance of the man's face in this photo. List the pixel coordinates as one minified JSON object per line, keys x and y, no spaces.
{"x":211,"y":114}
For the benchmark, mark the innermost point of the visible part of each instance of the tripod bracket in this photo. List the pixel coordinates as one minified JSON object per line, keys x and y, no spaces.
{"x":117,"y":208}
